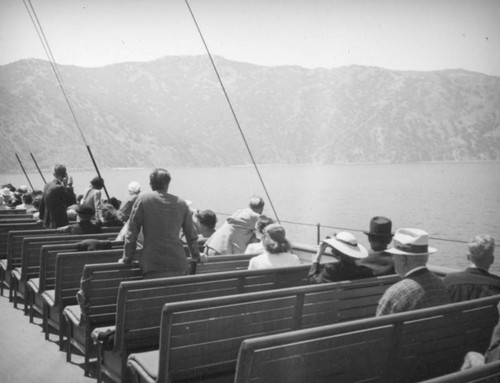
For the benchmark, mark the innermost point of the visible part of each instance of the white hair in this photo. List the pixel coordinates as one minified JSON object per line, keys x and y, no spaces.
{"x":134,"y":187}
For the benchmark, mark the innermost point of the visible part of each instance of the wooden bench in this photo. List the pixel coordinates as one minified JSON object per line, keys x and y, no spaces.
{"x":139,"y":307}
{"x":46,"y":278}
{"x":403,"y":347}
{"x":6,"y":218}
{"x":6,"y":227}
{"x":12,"y":211}
{"x":14,"y":241}
{"x":489,"y":373}
{"x":218,"y":263}
{"x":69,"y":269}
{"x":97,"y":305}
{"x":29,"y":266}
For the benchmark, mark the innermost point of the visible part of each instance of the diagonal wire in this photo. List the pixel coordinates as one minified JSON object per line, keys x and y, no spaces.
{"x":232,"y":110}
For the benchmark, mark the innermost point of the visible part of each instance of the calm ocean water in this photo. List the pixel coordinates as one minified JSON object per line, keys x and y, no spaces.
{"x":452,"y":201}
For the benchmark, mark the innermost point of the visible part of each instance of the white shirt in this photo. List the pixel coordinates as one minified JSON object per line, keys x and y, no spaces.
{"x":272,"y":261}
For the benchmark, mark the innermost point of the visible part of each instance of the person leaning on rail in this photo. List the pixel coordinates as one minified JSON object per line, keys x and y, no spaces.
{"x":419,"y":288}
{"x":346,"y":249}
{"x":237,"y":232}
{"x":476,"y":281}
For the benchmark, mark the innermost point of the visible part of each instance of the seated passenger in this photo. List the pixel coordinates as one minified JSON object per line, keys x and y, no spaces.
{"x":27,"y":204}
{"x":204,"y":222}
{"x":476,"y":281}
{"x":134,"y":188}
{"x":258,"y":247}
{"x":348,"y":251}
{"x":109,"y":216}
{"x":379,"y":236}
{"x":277,"y":250}
{"x":84,"y":223}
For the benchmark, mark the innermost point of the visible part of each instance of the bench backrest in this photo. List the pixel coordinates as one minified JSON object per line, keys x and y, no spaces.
{"x":48,"y":255}
{"x":12,"y":211}
{"x":404,"y":347}
{"x":6,"y":218}
{"x":6,"y":227}
{"x":488,"y":373}
{"x":15,"y":243}
{"x":220,"y":263}
{"x":31,"y":246}
{"x":69,"y":270}
{"x":139,"y":304}
{"x":99,"y":289}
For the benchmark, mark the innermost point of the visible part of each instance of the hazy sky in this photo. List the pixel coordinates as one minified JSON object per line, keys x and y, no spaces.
{"x":395,"y":34}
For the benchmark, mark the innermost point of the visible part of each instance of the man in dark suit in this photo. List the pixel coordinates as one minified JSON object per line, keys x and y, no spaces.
{"x":476,"y":281}
{"x":57,"y":196}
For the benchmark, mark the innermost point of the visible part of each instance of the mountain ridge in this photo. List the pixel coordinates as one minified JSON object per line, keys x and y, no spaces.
{"x":172,"y":112}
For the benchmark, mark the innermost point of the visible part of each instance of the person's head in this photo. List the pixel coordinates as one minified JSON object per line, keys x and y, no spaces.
{"x":345,"y":247}
{"x":481,"y":251}
{"x":380,"y":234}
{"x":37,"y":201}
{"x":206,"y":218}
{"x":60,"y":172}
{"x":134,"y":188}
{"x":411,"y":250}
{"x":84,"y":212}
{"x":23,"y":189}
{"x":261,"y":224}
{"x":159,"y":179}
{"x":6,"y":194}
{"x":97,"y":183}
{"x":256,"y":204}
{"x":27,"y":198}
{"x":108,"y":212}
{"x":274,"y":239}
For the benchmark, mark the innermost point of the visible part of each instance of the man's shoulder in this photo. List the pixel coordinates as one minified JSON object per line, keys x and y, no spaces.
{"x":471,"y":276}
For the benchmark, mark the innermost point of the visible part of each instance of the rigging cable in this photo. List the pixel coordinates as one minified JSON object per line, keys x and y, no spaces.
{"x":39,"y":171}
{"x":24,"y":171}
{"x":232,"y":110}
{"x":53,"y":64}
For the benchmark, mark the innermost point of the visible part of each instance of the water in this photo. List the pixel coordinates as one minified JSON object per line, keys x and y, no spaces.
{"x":449,"y":200}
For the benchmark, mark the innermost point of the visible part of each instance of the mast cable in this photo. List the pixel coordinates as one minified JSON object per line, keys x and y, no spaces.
{"x":232,"y":110}
{"x":53,"y":64}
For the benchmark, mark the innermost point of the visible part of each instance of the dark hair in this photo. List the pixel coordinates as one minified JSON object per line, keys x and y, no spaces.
{"x":37,"y":201}
{"x":274,"y":247}
{"x":159,"y":179}
{"x":27,"y":198}
{"x":97,"y":183}
{"x":262,"y":222}
{"x":60,"y":170}
{"x":256,"y":203}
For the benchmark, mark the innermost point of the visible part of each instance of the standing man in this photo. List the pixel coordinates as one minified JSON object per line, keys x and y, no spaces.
{"x":476,"y":281}
{"x":161,"y":216}
{"x":58,"y":194}
{"x":237,"y":232}
{"x":419,"y":288}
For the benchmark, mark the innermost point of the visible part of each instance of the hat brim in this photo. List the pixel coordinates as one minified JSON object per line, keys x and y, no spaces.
{"x":393,"y":250}
{"x":379,"y":234}
{"x":355,"y":252}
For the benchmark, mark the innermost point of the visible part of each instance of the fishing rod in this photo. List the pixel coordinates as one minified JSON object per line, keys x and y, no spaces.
{"x":24,"y":171}
{"x":53,"y":64}
{"x":39,"y":171}
{"x":232,"y":110}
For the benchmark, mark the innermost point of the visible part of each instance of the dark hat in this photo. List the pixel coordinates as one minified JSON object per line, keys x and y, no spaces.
{"x":381,"y":227}
{"x":206,"y":217}
{"x":84,"y":210}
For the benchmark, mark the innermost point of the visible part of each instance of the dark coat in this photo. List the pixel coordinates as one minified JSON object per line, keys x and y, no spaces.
{"x":55,"y":201}
{"x":472,"y":283}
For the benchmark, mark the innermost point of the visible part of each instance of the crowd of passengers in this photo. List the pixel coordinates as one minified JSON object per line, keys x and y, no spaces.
{"x":160,"y":225}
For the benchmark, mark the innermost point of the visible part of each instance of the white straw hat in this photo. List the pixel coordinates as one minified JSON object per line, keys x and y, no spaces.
{"x":411,"y":242}
{"x":347,"y":244}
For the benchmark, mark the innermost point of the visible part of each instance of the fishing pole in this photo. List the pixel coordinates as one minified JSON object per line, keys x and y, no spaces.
{"x":39,"y":171}
{"x":53,"y":64}
{"x":232,"y":110}
{"x":24,"y":171}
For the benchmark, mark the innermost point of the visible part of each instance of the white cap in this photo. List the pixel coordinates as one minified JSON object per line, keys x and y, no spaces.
{"x":134,"y":187}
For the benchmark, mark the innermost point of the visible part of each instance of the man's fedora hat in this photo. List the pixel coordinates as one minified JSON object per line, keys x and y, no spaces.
{"x":84,"y":210}
{"x":411,"y":242}
{"x":381,"y":227}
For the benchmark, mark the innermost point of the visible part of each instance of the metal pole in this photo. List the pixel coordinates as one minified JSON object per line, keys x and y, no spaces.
{"x":39,"y":171}
{"x":22,"y":167}
{"x":97,"y":170}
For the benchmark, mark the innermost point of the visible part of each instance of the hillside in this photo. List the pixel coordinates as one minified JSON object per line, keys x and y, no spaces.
{"x":172,"y":112}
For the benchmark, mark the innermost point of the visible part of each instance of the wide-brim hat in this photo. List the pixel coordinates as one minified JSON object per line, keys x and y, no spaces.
{"x":347,"y":244}
{"x":380,"y":227}
{"x":411,"y":242}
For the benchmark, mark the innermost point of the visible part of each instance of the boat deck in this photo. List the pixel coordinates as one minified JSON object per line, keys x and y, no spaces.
{"x":28,"y":357}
